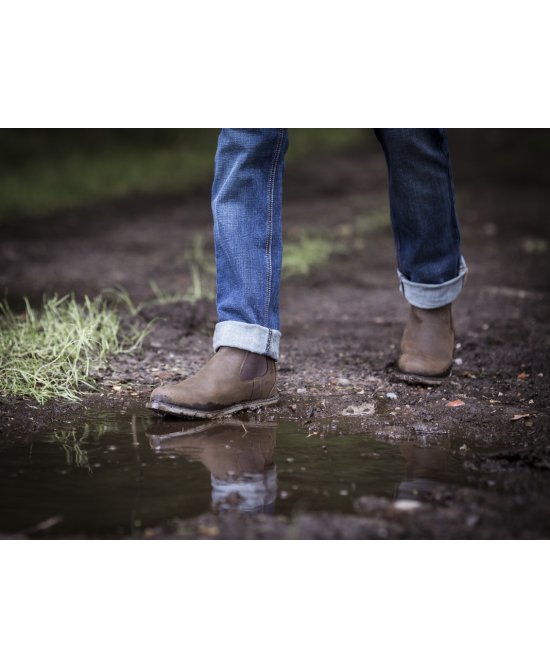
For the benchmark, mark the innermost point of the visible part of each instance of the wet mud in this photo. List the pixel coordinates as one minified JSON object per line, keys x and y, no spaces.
{"x":341,"y":329}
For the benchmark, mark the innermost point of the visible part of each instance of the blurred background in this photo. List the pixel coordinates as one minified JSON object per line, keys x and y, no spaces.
{"x":48,"y":171}
{"x":85,"y":210}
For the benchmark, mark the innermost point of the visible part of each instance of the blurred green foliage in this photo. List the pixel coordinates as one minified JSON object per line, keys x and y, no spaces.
{"x":46,"y":171}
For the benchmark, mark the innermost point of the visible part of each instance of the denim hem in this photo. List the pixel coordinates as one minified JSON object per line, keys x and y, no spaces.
{"x":423,"y":295}
{"x":254,"y":338}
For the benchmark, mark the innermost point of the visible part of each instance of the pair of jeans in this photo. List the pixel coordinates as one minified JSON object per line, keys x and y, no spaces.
{"x":246,"y":204}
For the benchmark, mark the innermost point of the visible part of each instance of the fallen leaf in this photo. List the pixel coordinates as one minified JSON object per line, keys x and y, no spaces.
{"x":494,"y":401}
{"x":458,"y":402}
{"x":209,"y":531}
{"x":522,"y":375}
{"x":116,"y":388}
{"x":313,"y":433}
{"x":518,"y":417}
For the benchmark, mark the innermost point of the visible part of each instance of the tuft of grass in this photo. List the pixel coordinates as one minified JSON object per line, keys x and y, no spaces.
{"x":202,"y":268}
{"x":197,"y":290}
{"x":56,"y":352}
{"x":374,"y":221}
{"x":304,"y":142}
{"x":300,"y":257}
{"x":535,"y":245}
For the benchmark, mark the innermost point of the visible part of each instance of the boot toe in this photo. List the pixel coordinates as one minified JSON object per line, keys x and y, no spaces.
{"x":184,"y":396}
{"x":423,"y":366}
{"x":167,"y":394}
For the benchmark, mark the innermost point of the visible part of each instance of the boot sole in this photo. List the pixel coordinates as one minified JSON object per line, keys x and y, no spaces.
{"x":169,"y":409}
{"x":413,"y":379}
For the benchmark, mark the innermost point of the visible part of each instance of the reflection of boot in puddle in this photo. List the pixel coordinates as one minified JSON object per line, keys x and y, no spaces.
{"x":244,"y":476}
{"x":425,"y":468}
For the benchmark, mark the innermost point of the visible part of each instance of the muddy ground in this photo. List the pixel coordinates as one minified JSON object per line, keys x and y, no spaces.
{"x":341,"y":328}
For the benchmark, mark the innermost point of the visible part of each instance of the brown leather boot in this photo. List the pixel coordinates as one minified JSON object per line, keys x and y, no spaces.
{"x":427,"y":346}
{"x":232,"y":380}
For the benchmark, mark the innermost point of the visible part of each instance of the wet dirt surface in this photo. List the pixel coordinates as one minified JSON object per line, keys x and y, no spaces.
{"x":341,"y":329}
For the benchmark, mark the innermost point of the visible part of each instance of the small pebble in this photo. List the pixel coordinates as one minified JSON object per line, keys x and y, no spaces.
{"x":406,"y":504}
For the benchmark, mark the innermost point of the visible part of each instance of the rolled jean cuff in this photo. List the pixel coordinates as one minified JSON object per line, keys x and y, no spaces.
{"x":254,"y":338}
{"x":424,"y":295}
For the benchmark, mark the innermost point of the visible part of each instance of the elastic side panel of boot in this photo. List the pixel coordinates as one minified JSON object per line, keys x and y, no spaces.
{"x":254,"y":366}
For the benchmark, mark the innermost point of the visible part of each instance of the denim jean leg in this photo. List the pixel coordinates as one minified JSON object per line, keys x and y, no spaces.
{"x":246,"y":204}
{"x":423,"y":214}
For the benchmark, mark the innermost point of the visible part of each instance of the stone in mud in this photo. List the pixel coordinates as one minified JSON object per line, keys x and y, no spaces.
{"x":392,"y":432}
{"x":360,"y":409}
{"x":407,"y":504}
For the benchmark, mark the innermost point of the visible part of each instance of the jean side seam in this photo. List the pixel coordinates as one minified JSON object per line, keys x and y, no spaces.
{"x":443,"y":147}
{"x":394,"y":227}
{"x":271,"y":189}
{"x":268,"y":342}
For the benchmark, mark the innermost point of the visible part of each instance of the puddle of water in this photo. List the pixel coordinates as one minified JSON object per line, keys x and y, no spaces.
{"x":116,"y":474}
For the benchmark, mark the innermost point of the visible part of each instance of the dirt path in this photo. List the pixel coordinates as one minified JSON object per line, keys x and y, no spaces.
{"x":342,"y":324}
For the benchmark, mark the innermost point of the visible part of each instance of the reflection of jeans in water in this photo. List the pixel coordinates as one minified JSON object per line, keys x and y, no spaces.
{"x":246,"y":203}
{"x":249,"y":492}
{"x":410,"y":489}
